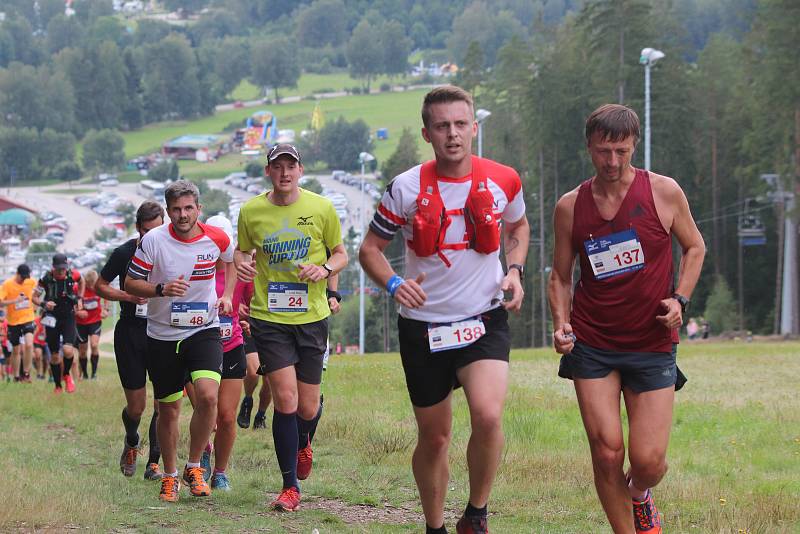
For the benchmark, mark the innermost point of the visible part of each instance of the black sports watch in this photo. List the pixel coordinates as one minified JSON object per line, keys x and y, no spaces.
{"x":331,"y":293}
{"x":160,"y":290}
{"x":517,"y":266}
{"x":683,"y":301}
{"x":327,"y":268}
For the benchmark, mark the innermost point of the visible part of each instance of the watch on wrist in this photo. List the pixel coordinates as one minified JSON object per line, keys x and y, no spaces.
{"x":160,"y":290}
{"x":333,"y":294}
{"x":327,"y":268}
{"x":517,"y":266}
{"x":683,"y":301}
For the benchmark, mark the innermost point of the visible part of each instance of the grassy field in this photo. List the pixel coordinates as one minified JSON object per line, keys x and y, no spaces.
{"x":308,"y":84}
{"x":734,"y":455}
{"x":385,"y":110}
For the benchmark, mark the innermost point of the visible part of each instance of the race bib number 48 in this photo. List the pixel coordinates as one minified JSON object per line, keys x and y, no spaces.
{"x":141,"y":310}
{"x":189,"y":314}
{"x":287,"y":297}
{"x":615,"y":254}
{"x":449,"y":336}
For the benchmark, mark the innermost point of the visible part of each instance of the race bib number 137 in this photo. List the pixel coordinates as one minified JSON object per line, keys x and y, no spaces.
{"x":615,"y":254}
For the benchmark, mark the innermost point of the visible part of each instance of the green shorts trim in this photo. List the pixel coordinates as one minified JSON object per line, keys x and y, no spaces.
{"x":206,"y":374}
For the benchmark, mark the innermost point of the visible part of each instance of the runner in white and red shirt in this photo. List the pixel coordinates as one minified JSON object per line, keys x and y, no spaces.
{"x":453,"y":323}
{"x":174,"y":267}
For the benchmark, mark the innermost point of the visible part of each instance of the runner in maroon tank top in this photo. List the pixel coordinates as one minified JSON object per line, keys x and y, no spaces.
{"x":619,"y":330}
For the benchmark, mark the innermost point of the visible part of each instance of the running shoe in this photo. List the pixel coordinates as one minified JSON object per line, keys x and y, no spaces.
{"x":193,"y":476}
{"x":287,"y":501}
{"x":70,"y":384}
{"x":205,"y":463}
{"x":243,"y":419}
{"x":220,"y":481}
{"x":646,"y":518}
{"x":127,"y":462}
{"x":305,"y":459}
{"x":153,"y":472}
{"x":472,"y":525}
{"x":170,"y":487}
{"x":58,"y":390}
{"x":260,"y":422}
{"x":50,"y":379}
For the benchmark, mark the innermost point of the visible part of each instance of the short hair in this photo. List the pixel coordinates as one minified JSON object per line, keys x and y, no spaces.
{"x":148,"y":211}
{"x":181,"y":188}
{"x":614,"y":122}
{"x":90,"y":277}
{"x":443,"y":95}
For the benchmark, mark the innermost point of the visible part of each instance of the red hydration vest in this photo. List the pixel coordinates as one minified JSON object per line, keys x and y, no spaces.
{"x":432,"y":219}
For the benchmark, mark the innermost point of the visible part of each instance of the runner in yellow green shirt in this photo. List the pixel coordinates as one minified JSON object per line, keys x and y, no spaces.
{"x":283,"y":237}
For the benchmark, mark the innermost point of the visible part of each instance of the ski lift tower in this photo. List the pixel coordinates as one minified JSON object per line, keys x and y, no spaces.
{"x":789,"y":302}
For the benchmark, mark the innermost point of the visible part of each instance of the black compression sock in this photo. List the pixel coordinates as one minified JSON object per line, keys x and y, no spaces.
{"x":95,"y":361}
{"x":430,"y":530}
{"x":471,"y":511}
{"x":284,"y":434}
{"x":55,"y":370}
{"x":84,"y":367}
{"x":131,"y":429}
{"x":67,"y":365}
{"x":155,"y":449}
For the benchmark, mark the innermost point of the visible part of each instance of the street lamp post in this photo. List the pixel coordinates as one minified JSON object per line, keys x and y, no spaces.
{"x":480,"y":116}
{"x":363,"y":158}
{"x":648,"y":59}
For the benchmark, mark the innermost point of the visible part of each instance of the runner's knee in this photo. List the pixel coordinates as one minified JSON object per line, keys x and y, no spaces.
{"x":648,"y":467}
{"x":607,"y":455}
{"x":486,"y":421}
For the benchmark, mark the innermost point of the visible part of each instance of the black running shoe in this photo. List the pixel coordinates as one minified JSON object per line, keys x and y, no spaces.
{"x":260,"y":422}
{"x":243,"y":420}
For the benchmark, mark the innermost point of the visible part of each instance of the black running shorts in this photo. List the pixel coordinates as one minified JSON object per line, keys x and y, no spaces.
{"x":300,"y":345}
{"x":430,"y":377}
{"x":63,"y":332}
{"x":249,"y":344}
{"x":85,"y":331}
{"x":168,"y":361}
{"x":639,"y":371}
{"x":130,"y":350}
{"x":234,"y":363}
{"x":17,"y":331}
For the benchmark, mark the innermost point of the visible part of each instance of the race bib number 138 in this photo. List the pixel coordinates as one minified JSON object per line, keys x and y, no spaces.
{"x":455,"y":335}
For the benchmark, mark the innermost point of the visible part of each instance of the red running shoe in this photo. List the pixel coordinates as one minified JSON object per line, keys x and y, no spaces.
{"x":305,"y":460}
{"x":472,"y":525}
{"x":646,"y":518}
{"x":287,"y":501}
{"x":69,"y":383}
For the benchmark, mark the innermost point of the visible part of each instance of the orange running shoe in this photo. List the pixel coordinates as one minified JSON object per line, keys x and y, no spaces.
{"x":646,"y":518}
{"x":287,"y":501}
{"x":58,"y":390}
{"x":70,"y":384}
{"x":193,"y":476}
{"x":127,"y":462}
{"x":305,"y":460}
{"x":170,"y":487}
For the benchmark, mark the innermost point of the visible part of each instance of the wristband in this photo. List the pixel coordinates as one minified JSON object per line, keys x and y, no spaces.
{"x":394,"y":282}
{"x":333,"y":294}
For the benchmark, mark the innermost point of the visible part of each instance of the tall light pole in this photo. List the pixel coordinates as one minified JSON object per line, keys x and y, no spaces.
{"x":363,"y":158}
{"x":480,"y":116}
{"x":648,"y":59}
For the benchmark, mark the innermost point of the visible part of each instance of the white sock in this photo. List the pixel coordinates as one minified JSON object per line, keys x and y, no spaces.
{"x":636,"y":494}
{"x":189,"y":465}
{"x":171,"y":474}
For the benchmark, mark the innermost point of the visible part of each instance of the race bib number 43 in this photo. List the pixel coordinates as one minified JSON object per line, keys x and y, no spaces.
{"x":615,"y":254}
{"x":287,"y":297}
{"x":225,"y":327}
{"x":189,"y":314}
{"x":449,"y":336}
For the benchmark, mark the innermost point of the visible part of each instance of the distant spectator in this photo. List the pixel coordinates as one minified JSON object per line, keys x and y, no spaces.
{"x":692,"y":328}
{"x":705,"y":329}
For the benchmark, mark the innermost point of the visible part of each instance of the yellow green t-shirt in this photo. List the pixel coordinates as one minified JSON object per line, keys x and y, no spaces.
{"x":285,"y":236}
{"x":22,"y":312}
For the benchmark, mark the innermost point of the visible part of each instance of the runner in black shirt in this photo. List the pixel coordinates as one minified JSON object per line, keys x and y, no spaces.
{"x":130,"y":344}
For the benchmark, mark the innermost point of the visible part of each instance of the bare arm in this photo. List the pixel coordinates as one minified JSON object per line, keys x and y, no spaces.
{"x":516,"y":237}
{"x":376,"y":266}
{"x":337,"y":261}
{"x":560,"y":285}
{"x":104,"y":289}
{"x":145,"y":289}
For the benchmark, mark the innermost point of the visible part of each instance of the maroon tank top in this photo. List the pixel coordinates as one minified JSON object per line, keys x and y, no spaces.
{"x":619,"y":312}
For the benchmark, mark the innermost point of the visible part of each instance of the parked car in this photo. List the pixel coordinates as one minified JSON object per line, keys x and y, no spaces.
{"x":110,"y":182}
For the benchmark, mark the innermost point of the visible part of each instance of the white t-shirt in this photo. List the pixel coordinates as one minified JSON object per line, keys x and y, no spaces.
{"x":471,"y":285}
{"x":162,"y":257}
